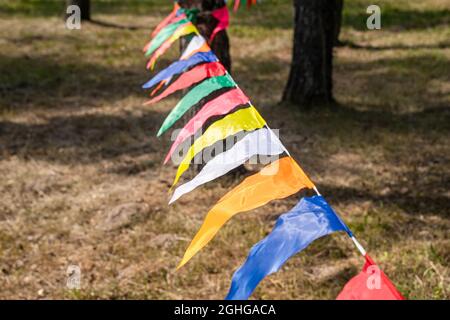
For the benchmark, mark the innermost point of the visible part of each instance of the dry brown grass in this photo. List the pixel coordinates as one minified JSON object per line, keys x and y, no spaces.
{"x":82,"y":180}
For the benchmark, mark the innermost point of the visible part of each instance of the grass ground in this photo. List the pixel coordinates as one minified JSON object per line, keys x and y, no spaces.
{"x":82,"y":180}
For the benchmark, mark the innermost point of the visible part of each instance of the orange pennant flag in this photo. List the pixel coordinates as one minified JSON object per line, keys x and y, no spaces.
{"x":277,"y":180}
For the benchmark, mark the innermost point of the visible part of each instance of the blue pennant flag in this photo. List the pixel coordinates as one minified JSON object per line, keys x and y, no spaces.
{"x":180,"y":66}
{"x":309,"y":220}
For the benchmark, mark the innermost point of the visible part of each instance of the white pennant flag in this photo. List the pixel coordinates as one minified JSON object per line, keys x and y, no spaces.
{"x":259,"y":142}
{"x":196,"y":43}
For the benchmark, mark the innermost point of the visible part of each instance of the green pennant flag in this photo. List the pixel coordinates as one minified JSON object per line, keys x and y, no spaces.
{"x":163,"y":35}
{"x":194,"y":96}
{"x":191,"y":14}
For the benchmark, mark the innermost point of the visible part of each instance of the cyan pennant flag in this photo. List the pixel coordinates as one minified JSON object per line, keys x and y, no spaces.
{"x":309,"y":220}
{"x":180,"y":66}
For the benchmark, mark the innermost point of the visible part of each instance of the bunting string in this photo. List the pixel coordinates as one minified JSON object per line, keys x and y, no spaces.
{"x":210,"y":87}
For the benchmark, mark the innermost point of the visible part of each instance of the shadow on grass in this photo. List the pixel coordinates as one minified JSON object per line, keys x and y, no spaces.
{"x":80,"y":139}
{"x":107,"y":24}
{"x":413,"y":145}
{"x":352,"y":45}
{"x":268,"y":15}
{"x":409,"y":202}
{"x":273,"y":16}
{"x":392,"y":18}
{"x":30,"y":82}
{"x":378,"y":118}
{"x":47,"y":8}
{"x":92,"y":138}
{"x":30,"y":79}
{"x":401,"y":84}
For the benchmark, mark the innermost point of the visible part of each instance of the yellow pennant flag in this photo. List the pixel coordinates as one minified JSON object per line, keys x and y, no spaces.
{"x":277,"y":180}
{"x":244,"y":119}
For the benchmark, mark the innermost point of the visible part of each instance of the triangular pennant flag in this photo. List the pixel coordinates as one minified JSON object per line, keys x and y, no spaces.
{"x":159,"y":87}
{"x":180,"y":66}
{"x":370,"y":284}
{"x":194,"y":96}
{"x":223,"y":17}
{"x":277,"y":180}
{"x":188,"y":78}
{"x":191,"y":13}
{"x":236,"y":5}
{"x":163,"y":35}
{"x":197,"y":44}
{"x":166,"y":20}
{"x":242,"y":120}
{"x":259,"y":142}
{"x":216,"y":107}
{"x":182,"y":31}
{"x":309,"y":220}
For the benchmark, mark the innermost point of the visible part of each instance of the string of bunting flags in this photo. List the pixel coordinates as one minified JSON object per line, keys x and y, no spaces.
{"x":206,"y":81}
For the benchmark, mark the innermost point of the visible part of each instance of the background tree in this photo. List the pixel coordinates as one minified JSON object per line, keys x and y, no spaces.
{"x":310,"y":77}
{"x":85,"y":7}
{"x":338,"y":10}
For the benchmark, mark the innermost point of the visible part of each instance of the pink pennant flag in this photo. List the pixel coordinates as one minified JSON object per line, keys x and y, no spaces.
{"x":236,"y":5}
{"x":187,"y":79}
{"x":166,"y":20}
{"x":218,"y":106}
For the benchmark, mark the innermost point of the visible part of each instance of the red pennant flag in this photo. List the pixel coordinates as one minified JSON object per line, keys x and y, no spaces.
{"x":196,"y":74}
{"x":223,"y":17}
{"x":370,"y":284}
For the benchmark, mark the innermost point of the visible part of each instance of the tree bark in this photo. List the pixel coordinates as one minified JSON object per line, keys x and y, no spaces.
{"x":85,"y":7}
{"x":338,"y":21}
{"x":310,"y":78}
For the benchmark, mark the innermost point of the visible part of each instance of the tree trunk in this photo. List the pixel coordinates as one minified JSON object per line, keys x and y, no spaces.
{"x":206,"y":24}
{"x":338,"y":21}
{"x":310,"y":78}
{"x":85,"y":7}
